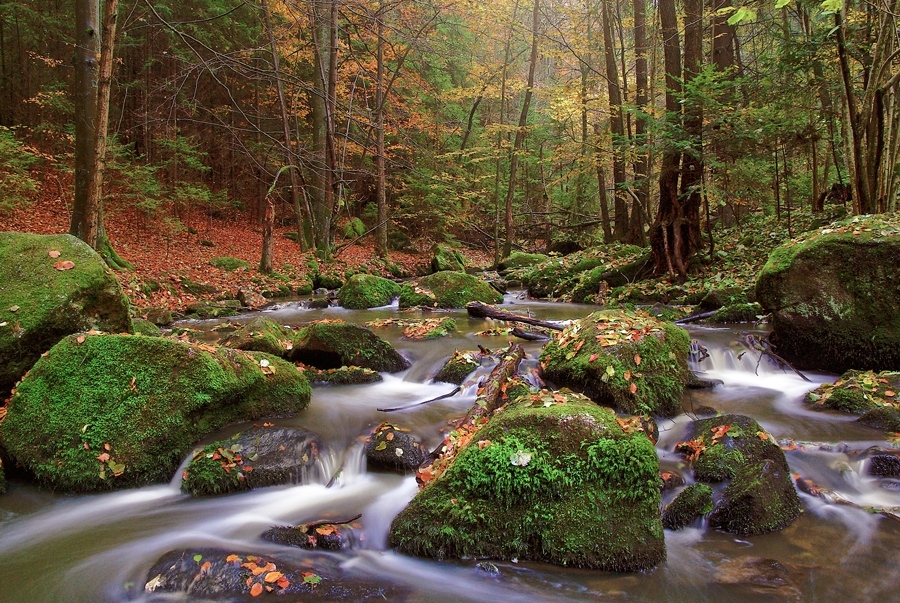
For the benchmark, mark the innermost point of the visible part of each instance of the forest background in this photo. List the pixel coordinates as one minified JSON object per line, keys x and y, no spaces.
{"x":500,"y":126}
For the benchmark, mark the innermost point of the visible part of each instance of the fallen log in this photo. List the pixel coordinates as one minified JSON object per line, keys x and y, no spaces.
{"x":528,"y":335}
{"x":694,"y":317}
{"x":479,"y":310}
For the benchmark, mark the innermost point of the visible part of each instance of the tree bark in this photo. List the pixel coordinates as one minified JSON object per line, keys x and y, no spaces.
{"x":380,"y":192}
{"x":87,"y":50}
{"x":642,"y":161}
{"x":617,"y":129}
{"x":479,"y":310}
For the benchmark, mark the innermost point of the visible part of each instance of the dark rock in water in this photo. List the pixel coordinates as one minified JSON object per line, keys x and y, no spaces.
{"x":318,"y":304}
{"x":40,"y":304}
{"x":561,"y":483}
{"x":261,"y":335}
{"x":488,"y":568}
{"x":346,"y":375}
{"x":705,"y":411}
{"x":458,"y":367}
{"x":727,"y":443}
{"x":592,"y":356}
{"x":693,"y":502}
{"x":222,"y":574}
{"x":670,"y":480}
{"x":835,"y":298}
{"x":884,"y":465}
{"x":760,"y":498}
{"x":104,"y":412}
{"x":331,"y":345}
{"x":695,"y":382}
{"x":320,"y":535}
{"x":890,"y":485}
{"x":761,"y":576}
{"x":390,"y":448}
{"x":883,"y":417}
{"x":258,"y":457}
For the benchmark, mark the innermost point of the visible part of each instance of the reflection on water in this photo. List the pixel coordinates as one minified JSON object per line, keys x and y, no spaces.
{"x":100,"y":547}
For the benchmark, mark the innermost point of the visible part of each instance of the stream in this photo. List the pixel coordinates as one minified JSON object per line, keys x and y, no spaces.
{"x":98,"y":548}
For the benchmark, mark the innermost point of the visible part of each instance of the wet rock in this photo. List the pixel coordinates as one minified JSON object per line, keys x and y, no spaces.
{"x":330,"y":345}
{"x":318,"y":304}
{"x":346,"y":375}
{"x":883,"y":417}
{"x":884,"y":465}
{"x":145,"y":327}
{"x":261,"y":335}
{"x":213,"y":309}
{"x":835,"y":299}
{"x":391,"y":448}
{"x":670,"y":480}
{"x":722,"y":445}
{"x":447,"y":289}
{"x":101,"y":412}
{"x":363,"y":291}
{"x":558,"y":482}
{"x":458,"y":367}
{"x":488,"y":568}
{"x":161,"y":317}
{"x":695,"y":382}
{"x":693,"y":502}
{"x":255,"y":458}
{"x":626,"y":360}
{"x":321,"y":535}
{"x":444,"y":258}
{"x":223,"y":574}
{"x":705,"y":411}
{"x":761,"y":576}
{"x":40,"y":304}
{"x":759,"y":499}
{"x":251,"y":299}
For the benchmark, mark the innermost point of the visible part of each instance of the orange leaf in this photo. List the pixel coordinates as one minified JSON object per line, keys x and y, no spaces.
{"x":106,"y":446}
{"x":627,"y":376}
{"x":258,"y":570}
{"x":248,"y":468}
{"x":67,"y":265}
{"x":283,"y":582}
{"x":231,"y":558}
{"x":103,"y":457}
{"x":720,"y":431}
{"x":762,"y":435}
{"x":256,"y":589}
{"x":389,"y":436}
{"x":249,"y":565}
{"x":890,"y":394}
{"x":633,"y":388}
{"x":637,"y":359}
{"x":593,"y":357}
{"x":80,"y":339}
{"x":273,"y":577}
{"x":205,"y":566}
{"x":53,"y":254}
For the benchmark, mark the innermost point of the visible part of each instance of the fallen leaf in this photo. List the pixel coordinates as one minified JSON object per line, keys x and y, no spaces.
{"x":231,"y":558}
{"x":593,"y":357}
{"x":53,"y":254}
{"x":103,"y":457}
{"x":273,"y":577}
{"x":256,"y":589}
{"x":762,"y":435}
{"x":66,"y":265}
{"x":890,"y":393}
{"x":633,"y":388}
{"x":14,"y":308}
{"x":283,"y":582}
{"x":80,"y":339}
{"x":637,"y":359}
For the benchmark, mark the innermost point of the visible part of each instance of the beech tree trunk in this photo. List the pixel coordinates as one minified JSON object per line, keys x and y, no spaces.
{"x":617,"y":129}
{"x":87,"y":51}
{"x":642,"y":162}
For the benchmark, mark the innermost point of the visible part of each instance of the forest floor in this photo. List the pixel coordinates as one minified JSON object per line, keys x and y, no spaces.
{"x":167,"y":259}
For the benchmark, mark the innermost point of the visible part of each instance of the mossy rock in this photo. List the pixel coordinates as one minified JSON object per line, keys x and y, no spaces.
{"x":363,"y":291}
{"x":858,"y":392}
{"x":430,"y":328}
{"x":145,"y":327}
{"x":101,"y":412}
{"x":447,"y":289}
{"x":736,"y":313}
{"x":391,"y":448}
{"x":329,"y":278}
{"x":346,"y":375}
{"x":518,"y":259}
{"x":261,"y":335}
{"x":331,"y":345}
{"x":39,"y":305}
{"x":641,"y":371}
{"x":693,"y":502}
{"x":354,"y":228}
{"x":458,"y":367}
{"x":161,"y":317}
{"x":444,"y":258}
{"x":835,"y":297}
{"x":761,"y":498}
{"x":883,"y":417}
{"x":207,"y":309}
{"x":228,"y":263}
{"x":559,"y":483}
{"x":740,"y":441}
{"x":304,"y":285}
{"x":197,"y":288}
{"x":721,"y":297}
{"x":255,"y":458}
{"x":559,"y":277}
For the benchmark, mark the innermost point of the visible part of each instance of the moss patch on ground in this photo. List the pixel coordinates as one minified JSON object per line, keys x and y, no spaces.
{"x":447,"y":289}
{"x":559,"y":277}
{"x":51,"y":286}
{"x":859,"y":392}
{"x":101,"y":412}
{"x":627,"y":360}
{"x":559,"y":482}
{"x":228,"y":263}
{"x":363,"y":291}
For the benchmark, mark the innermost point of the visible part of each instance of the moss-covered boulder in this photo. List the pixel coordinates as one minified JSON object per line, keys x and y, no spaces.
{"x":328,"y":277}
{"x":458,"y":367}
{"x":518,"y":259}
{"x":161,"y":317}
{"x":331,"y":345}
{"x":392,"y":448}
{"x":627,"y":360}
{"x":858,"y":392}
{"x":694,"y":501}
{"x":2,"y":478}
{"x":736,"y":313}
{"x":145,"y":327}
{"x":51,"y":286}
{"x":261,"y":335}
{"x":100,"y":412}
{"x":835,"y":296}
{"x":558,"y":277}
{"x":444,"y":258}
{"x":213,"y":309}
{"x":720,"y":446}
{"x":363,"y":291}
{"x":559,"y":482}
{"x":447,"y":289}
{"x":228,"y":263}
{"x":759,"y":499}
{"x":346,"y":375}
{"x":255,"y":458}
{"x":883,"y":417}
{"x":430,"y":328}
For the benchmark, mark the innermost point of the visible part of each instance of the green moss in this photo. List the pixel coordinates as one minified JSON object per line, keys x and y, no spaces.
{"x":694,"y":501}
{"x":561,"y":483}
{"x":577,"y":358}
{"x":328,"y":278}
{"x":761,"y":498}
{"x":145,"y":327}
{"x":363,"y":291}
{"x":858,"y":391}
{"x":304,"y":286}
{"x":228,"y":263}
{"x":568,"y":276}
{"x":346,"y":375}
{"x":197,"y":288}
{"x":2,"y":479}
{"x":742,"y":443}
{"x":736,"y":313}
{"x":447,"y":289}
{"x":518,"y":259}
{"x":39,"y":305}
{"x":444,"y":258}
{"x":147,"y":399}
{"x":354,"y":228}
{"x":883,"y":417}
{"x":261,"y":335}
{"x":328,"y":345}
{"x":458,"y":367}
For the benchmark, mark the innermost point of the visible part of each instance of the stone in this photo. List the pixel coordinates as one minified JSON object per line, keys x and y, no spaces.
{"x":458,"y":367}
{"x":390,"y":448}
{"x":40,"y":304}
{"x":760,"y":498}
{"x":694,"y":501}
{"x":444,"y":258}
{"x":884,"y":465}
{"x":362,"y":291}
{"x":161,"y":317}
{"x":261,"y":335}
{"x":447,"y":289}
{"x":331,"y":345}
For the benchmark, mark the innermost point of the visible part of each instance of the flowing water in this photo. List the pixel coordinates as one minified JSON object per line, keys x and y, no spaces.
{"x":100,"y":547}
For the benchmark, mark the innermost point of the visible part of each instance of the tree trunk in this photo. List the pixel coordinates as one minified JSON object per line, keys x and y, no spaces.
{"x":87,"y":50}
{"x":380,"y":192}
{"x":479,"y":310}
{"x":601,"y":185}
{"x":265,"y":261}
{"x":617,"y":129}
{"x":642,"y":161}
{"x":688,"y":239}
